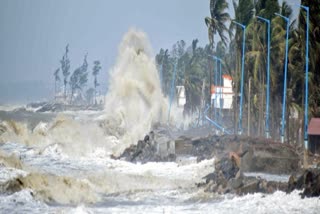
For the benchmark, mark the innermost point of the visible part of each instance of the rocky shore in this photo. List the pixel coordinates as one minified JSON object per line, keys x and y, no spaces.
{"x":238,"y":162}
{"x":150,"y":149}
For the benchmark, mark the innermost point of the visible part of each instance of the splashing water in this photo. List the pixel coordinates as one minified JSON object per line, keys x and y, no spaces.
{"x":65,"y":161}
{"x":135,"y":101}
{"x":134,"y":104}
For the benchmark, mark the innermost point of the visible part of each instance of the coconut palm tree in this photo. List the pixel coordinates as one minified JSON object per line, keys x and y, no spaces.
{"x":164,"y":59}
{"x":216,"y":22}
{"x":96,"y":69}
{"x":65,"y":67}
{"x":314,"y":51}
{"x":56,"y":79}
{"x":79,"y":78}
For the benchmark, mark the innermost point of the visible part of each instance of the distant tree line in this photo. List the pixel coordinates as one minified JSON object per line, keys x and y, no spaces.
{"x":77,"y":81}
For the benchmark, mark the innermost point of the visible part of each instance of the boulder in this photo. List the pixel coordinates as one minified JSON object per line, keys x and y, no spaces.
{"x":308,"y":181}
{"x":52,"y":107}
{"x":148,"y":150}
{"x":227,"y":166}
{"x":251,"y":187}
{"x":228,"y":178}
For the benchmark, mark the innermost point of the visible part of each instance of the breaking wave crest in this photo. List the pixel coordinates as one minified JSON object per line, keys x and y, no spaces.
{"x":135,"y":101}
{"x":134,"y":104}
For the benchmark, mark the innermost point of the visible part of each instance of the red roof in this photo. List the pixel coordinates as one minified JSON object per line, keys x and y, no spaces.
{"x":225,"y":76}
{"x":314,"y":126}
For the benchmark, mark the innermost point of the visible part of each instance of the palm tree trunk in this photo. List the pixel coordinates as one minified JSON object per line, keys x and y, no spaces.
{"x":236,"y":91}
{"x":249,"y":106}
{"x":65,"y":91}
{"x":95,"y":95}
{"x":261,"y":112}
{"x":71,"y":96}
{"x":288,"y":126}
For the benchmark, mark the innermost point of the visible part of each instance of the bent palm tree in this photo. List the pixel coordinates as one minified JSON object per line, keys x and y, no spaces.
{"x":216,"y":23}
{"x":56,"y":79}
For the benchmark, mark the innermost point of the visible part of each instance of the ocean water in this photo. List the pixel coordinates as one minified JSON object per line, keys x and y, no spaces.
{"x":115,"y":186}
{"x":64,"y":160}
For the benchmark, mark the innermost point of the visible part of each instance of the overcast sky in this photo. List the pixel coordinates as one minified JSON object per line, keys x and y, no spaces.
{"x":33,"y":33}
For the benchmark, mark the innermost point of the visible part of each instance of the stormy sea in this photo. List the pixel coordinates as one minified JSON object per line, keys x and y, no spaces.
{"x":64,"y":162}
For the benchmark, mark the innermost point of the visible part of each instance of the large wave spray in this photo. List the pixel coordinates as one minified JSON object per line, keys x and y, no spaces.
{"x":135,"y":101}
{"x":134,"y":104}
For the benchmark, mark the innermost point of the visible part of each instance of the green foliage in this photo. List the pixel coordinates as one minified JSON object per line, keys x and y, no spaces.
{"x":216,"y":22}
{"x":314,"y":51}
{"x":256,"y":53}
{"x":192,"y":71}
{"x":79,"y":78}
{"x":267,"y":8}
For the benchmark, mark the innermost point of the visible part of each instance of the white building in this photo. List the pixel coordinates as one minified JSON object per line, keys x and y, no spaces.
{"x":181,"y":95}
{"x":222,"y":96}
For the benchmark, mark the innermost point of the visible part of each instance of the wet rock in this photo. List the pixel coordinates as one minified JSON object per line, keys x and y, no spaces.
{"x":272,"y":186}
{"x":228,"y":178}
{"x":148,"y":150}
{"x":210,"y":177}
{"x":308,"y":181}
{"x":235,"y":183}
{"x":51,"y":107}
{"x":251,"y":187}
{"x":228,"y":167}
{"x":11,"y":186}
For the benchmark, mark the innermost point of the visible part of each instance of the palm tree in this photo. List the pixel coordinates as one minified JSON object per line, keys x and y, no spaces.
{"x":165,"y":60}
{"x":192,"y":79}
{"x":79,"y":78}
{"x":56,"y":79}
{"x":216,"y":23}
{"x":65,"y":67}
{"x":243,"y":10}
{"x":96,"y":69}
{"x":255,"y":64}
{"x":314,"y":52}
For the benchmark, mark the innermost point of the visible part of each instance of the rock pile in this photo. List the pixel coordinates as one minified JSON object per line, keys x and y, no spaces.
{"x":229,"y":178}
{"x":255,"y":154}
{"x":147,"y":150}
{"x":308,"y":181}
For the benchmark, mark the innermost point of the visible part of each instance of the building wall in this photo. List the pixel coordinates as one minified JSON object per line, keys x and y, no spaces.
{"x":227,"y":81}
{"x":222,"y":96}
{"x":181,"y":95}
{"x":314,"y":143}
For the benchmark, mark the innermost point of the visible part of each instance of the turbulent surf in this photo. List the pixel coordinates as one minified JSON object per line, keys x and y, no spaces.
{"x":64,"y":162}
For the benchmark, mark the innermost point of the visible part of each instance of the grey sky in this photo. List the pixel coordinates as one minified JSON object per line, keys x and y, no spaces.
{"x":33,"y":33}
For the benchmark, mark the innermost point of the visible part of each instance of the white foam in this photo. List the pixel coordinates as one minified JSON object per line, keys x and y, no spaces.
{"x":8,"y":173}
{"x":135,"y":100}
{"x":279,"y":202}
